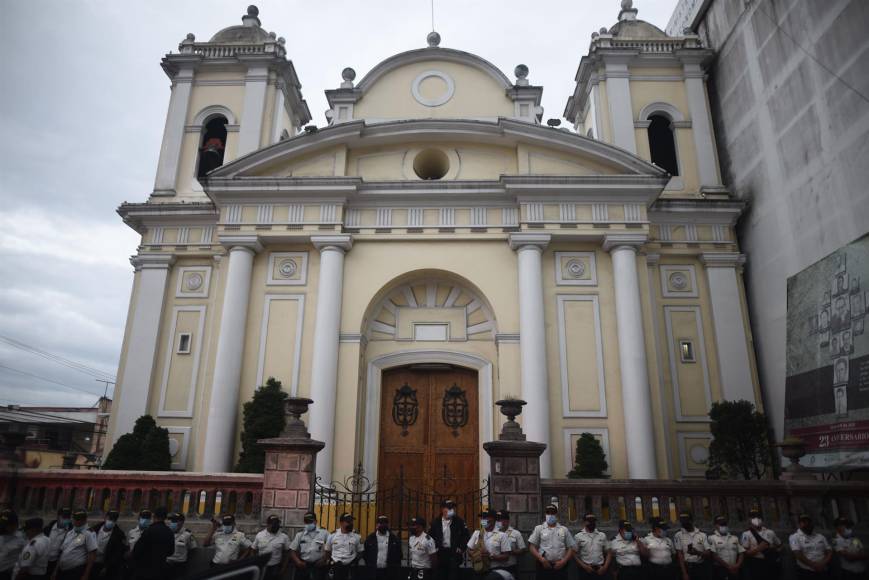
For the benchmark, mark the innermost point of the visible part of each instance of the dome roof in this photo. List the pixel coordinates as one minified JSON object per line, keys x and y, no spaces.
{"x":636,"y":29}
{"x":249,"y":32}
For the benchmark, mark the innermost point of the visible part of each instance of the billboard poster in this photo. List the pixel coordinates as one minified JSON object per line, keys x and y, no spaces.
{"x":827,"y":388}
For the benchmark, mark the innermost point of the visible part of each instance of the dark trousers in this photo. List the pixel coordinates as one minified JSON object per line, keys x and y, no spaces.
{"x":71,"y":574}
{"x":448,"y":564}
{"x":420,"y":574}
{"x":6,"y":574}
{"x":720,"y":573}
{"x":273,"y":572}
{"x":761,"y":569}
{"x":846,"y":575}
{"x":388,"y":573}
{"x":630,"y":573}
{"x":341,"y":571}
{"x":310,"y":572}
{"x":660,"y":571}
{"x":698,"y":571}
{"x":176,"y":570}
{"x":810,"y":575}
{"x":583,"y":575}
{"x":551,"y":573}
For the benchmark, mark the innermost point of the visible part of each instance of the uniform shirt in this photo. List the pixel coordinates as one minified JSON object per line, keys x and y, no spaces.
{"x":382,"y":549}
{"x":310,"y":545}
{"x":445,"y":527}
{"x":10,"y":548}
{"x":849,"y":546}
{"x":228,"y":547}
{"x":266,"y":542}
{"x":812,"y":546}
{"x":184,"y":542}
{"x":75,"y":549}
{"x":55,"y":539}
{"x":749,"y":542}
{"x":421,"y":549}
{"x":344,"y":547}
{"x":34,"y":557}
{"x":685,"y":539}
{"x":661,"y":550}
{"x":133,"y":537}
{"x":592,"y":546}
{"x":726,"y":547}
{"x":496,"y":542}
{"x":626,"y":553}
{"x":552,"y":542}
{"x":517,"y":543}
{"x":103,"y":537}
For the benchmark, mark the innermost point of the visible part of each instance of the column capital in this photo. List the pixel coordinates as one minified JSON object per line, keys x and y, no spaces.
{"x":631,"y":241}
{"x":653,"y":259}
{"x":152,"y":261}
{"x":250,"y":242}
{"x":341,"y":242}
{"x":540,"y":241}
{"x":722,"y":259}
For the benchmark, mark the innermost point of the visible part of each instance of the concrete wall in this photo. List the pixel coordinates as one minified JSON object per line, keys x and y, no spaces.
{"x":793,"y":137}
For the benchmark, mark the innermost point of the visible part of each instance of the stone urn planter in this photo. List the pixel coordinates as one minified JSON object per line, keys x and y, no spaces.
{"x":794,"y":449}
{"x":295,"y":428}
{"x":511,"y":408}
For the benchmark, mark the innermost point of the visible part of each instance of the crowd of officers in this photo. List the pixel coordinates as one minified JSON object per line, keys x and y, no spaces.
{"x":159,"y":547}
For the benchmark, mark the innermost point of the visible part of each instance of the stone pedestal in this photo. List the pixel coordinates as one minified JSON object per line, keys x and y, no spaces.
{"x":290,"y":469}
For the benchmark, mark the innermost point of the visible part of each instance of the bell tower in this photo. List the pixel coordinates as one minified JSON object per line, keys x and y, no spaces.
{"x":230,"y":96}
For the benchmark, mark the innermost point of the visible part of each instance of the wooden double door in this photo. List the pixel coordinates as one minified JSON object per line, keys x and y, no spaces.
{"x":429,"y":429}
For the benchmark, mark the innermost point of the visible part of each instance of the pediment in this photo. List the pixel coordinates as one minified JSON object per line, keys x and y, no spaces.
{"x":471,"y":151}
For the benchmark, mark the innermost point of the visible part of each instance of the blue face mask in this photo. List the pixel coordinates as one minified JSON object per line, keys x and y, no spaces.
{"x":723,"y":530}
{"x":227,"y":529}
{"x":144,"y":523}
{"x":551,"y":519}
{"x":108,"y":525}
{"x":629,"y":536}
{"x":173,"y":526}
{"x":484,"y":523}
{"x":310,"y":527}
{"x":66,"y":524}
{"x":81,"y":528}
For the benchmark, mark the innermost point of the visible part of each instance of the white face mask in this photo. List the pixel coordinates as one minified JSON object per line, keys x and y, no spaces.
{"x":484,"y":523}
{"x":723,"y":530}
{"x":451,"y":513}
{"x":756,"y":522}
{"x":503,"y":526}
{"x":551,"y":519}
{"x":310,"y":527}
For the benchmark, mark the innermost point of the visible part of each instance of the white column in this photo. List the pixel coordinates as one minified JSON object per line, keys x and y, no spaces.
{"x":636,"y":398}
{"x":618,"y":91}
{"x":223,"y":404}
{"x":250,"y":132}
{"x":731,"y":337}
{"x":173,"y":133}
{"x":532,"y":342}
{"x":324,"y":366}
{"x":278,"y":113}
{"x":135,"y":381}
{"x":701,"y":125}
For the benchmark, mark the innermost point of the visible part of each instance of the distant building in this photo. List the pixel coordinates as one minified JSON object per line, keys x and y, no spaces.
{"x":59,"y":437}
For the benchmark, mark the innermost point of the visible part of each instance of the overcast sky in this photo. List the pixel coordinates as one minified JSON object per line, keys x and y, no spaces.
{"x":83,"y":107}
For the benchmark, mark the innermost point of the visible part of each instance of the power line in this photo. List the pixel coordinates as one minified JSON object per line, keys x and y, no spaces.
{"x":80,"y":367}
{"x":25,"y":373}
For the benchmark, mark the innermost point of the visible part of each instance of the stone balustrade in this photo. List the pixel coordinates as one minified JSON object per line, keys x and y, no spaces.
{"x":198,"y":495}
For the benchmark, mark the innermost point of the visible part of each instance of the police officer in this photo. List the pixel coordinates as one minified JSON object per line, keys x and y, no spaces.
{"x":276,"y":544}
{"x":592,"y":550}
{"x":451,"y":536}
{"x":343,"y":548}
{"x":727,"y":552}
{"x":77,"y":552}
{"x":56,"y":533}
{"x":12,"y":541}
{"x":111,"y":547}
{"x":229,"y":544}
{"x":307,"y":550}
{"x":423,"y":551}
{"x":382,"y":551}
{"x":659,"y":550}
{"x":692,"y":549}
{"x":145,"y":518}
{"x":493,"y":545}
{"x":33,"y":561}
{"x":185,"y":542}
{"x":811,"y":550}
{"x":626,"y":549}
{"x":517,"y":542}
{"x":552,"y":545}
{"x":762,"y":549}
{"x":849,"y":549}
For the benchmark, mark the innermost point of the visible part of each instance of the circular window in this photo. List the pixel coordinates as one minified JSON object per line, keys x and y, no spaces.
{"x":433,"y":88}
{"x":431,"y":164}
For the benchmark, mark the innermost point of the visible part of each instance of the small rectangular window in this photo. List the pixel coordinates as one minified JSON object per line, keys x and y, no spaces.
{"x":184,"y":340}
{"x":686,"y":351}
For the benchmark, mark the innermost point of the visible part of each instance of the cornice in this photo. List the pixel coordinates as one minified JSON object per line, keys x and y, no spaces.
{"x":152,"y":261}
{"x":705,"y":211}
{"x":139,"y":215}
{"x":342,"y":242}
{"x":248,"y":241}
{"x":722,"y":259}
{"x":521,"y":240}
{"x":613,"y":241}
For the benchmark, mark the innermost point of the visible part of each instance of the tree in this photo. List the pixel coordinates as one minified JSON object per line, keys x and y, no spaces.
{"x":263,"y":418}
{"x":590,"y":459}
{"x":740,"y":446}
{"x":146,"y":448}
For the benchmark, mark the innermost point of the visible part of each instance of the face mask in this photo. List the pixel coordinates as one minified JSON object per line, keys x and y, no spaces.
{"x":590,"y":526}
{"x":551,"y":519}
{"x":848,"y":533}
{"x":503,"y":526}
{"x":108,"y":525}
{"x":629,"y":536}
{"x":173,"y":526}
{"x":451,"y":513}
{"x":227,"y":529}
{"x":723,"y":530}
{"x":144,"y":523}
{"x":310,"y":527}
{"x":81,"y":528}
{"x":66,"y":524}
{"x":756,"y":522}
{"x":484,"y":523}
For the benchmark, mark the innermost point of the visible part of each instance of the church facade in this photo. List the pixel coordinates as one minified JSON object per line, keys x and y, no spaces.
{"x":436,"y":248}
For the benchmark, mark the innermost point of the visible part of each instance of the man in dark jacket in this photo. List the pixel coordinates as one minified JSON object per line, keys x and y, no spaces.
{"x":111,"y":547}
{"x":451,"y":537}
{"x":382,"y":552}
{"x":156,"y":544}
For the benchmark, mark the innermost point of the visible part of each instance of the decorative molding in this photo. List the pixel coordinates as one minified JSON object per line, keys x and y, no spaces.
{"x":599,"y":212}
{"x":329,"y":213}
{"x":152,"y":261}
{"x":510,"y":216}
{"x":447,"y":217}
{"x":187,"y":412}
{"x":567,"y":212}
{"x":579,"y":270}
{"x":507,"y":338}
{"x":415,"y":217}
{"x":264,"y":213}
{"x":682,"y":437}
{"x":660,"y":108}
{"x":338,"y":241}
{"x":675,"y":275}
{"x":478,"y":217}
{"x":633,"y":212}
{"x":615,"y":241}
{"x":287,"y":269}
{"x":179,"y":458}
{"x":570,"y":451}
{"x":183,"y":235}
{"x":518,"y":241}
{"x":296,"y":213}
{"x":247,"y":241}
{"x":700,"y":351}
{"x":264,"y":329}
{"x":440,"y":99}
{"x":563,"y":346}
{"x":384,"y":217}
{"x":191,"y":287}
{"x":534,"y":212}
{"x":233,"y":214}
{"x":722,"y":259}
{"x":203,"y":116}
